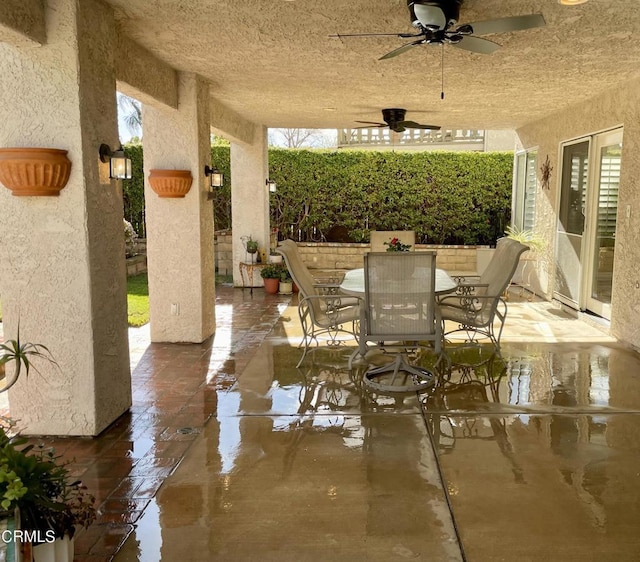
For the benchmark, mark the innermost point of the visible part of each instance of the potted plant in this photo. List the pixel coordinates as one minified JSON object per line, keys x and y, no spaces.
{"x":51,"y":504}
{"x":270,"y":274}
{"x":252,"y":245}
{"x":286,"y":283}
{"x":274,"y":256}
{"x":394,"y":245}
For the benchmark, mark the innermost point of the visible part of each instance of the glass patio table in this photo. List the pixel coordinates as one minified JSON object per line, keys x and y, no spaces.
{"x":353,"y":282}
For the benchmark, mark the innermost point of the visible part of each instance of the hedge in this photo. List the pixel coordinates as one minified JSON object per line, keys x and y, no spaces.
{"x":445,"y":197}
{"x":133,"y":190}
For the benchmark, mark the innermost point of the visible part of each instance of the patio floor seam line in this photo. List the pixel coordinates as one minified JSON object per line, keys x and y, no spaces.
{"x":443,"y":483}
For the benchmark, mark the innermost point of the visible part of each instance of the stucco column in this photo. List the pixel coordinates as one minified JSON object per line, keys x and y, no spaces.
{"x":180,"y":247}
{"x":249,"y":196}
{"x":62,"y":274}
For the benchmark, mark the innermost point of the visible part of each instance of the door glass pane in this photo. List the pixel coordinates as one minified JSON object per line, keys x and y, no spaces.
{"x":571,"y":222}
{"x":609,"y":180}
{"x":574,"y":186}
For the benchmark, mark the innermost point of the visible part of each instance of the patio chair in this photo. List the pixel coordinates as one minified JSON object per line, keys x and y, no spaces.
{"x":399,"y":311}
{"x":322,"y":311}
{"x":377,"y":238}
{"x":479,"y":302}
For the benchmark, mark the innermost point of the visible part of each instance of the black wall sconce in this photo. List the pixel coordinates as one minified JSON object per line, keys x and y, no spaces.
{"x":272,"y":186}
{"x":119,"y":164}
{"x":216,"y":179}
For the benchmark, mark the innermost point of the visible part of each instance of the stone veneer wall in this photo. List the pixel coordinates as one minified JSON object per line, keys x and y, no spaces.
{"x":224,"y":252}
{"x":331,"y":255}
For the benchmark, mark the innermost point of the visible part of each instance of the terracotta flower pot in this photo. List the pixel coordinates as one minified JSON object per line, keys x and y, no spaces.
{"x":34,"y":171}
{"x":271,"y":285}
{"x":170,"y":183}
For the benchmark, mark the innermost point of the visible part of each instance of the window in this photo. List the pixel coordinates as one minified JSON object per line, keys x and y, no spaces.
{"x":524,"y":208}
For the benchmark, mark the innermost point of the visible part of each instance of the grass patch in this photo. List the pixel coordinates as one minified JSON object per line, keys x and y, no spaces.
{"x":138,"y":300}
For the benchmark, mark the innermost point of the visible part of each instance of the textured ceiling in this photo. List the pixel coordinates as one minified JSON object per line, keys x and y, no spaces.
{"x":273,"y":62}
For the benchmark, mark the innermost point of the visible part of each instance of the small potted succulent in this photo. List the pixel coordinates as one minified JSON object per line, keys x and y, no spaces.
{"x":270,"y":274}
{"x":274,"y":256}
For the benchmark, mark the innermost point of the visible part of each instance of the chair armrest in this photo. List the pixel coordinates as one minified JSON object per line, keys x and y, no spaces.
{"x":465,"y":279}
{"x":470,"y":288}
{"x":471,"y":305}
{"x":327,"y":288}
{"x":333,"y":301}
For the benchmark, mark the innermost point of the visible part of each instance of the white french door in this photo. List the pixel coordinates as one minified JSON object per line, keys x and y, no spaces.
{"x":603,"y":206}
{"x":585,"y":241}
{"x":571,"y":221}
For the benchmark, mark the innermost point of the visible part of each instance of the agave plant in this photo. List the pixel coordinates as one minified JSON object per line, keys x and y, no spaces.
{"x":21,"y":354}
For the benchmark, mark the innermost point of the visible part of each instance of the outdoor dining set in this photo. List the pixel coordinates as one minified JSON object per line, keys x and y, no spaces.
{"x":400,"y":302}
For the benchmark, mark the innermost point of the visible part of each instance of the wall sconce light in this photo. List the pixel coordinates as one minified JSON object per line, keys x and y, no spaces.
{"x":216,"y":179}
{"x":119,"y":164}
{"x":272,"y":186}
{"x":571,"y":2}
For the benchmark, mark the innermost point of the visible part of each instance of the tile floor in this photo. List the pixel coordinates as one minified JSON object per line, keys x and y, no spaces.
{"x":230,"y":453}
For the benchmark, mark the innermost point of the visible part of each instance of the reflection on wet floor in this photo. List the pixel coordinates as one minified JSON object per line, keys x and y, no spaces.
{"x":231,"y":453}
{"x":526,"y":457}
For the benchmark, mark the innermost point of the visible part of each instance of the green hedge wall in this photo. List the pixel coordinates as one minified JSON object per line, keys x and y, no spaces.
{"x":446,"y":197}
{"x":133,"y":190}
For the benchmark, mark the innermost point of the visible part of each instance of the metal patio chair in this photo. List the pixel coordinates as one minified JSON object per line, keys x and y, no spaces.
{"x":479,"y":302}
{"x":322,"y":310}
{"x":399,"y":312}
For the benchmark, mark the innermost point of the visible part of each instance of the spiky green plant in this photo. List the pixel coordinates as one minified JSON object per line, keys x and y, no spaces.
{"x":21,"y":355}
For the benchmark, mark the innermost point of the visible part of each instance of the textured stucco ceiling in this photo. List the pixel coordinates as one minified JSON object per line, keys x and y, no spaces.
{"x":274,"y":63}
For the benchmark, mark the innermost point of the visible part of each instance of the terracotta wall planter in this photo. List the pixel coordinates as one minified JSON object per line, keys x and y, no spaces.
{"x":170,"y":183}
{"x":34,"y":171}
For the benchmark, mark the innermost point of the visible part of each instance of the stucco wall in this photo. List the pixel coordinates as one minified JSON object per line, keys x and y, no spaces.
{"x":180,"y":231}
{"x":249,"y":196}
{"x":63,"y":277}
{"x":22,"y":23}
{"x":619,"y":106}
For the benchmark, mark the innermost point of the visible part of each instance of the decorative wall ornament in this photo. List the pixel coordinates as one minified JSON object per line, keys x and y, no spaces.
{"x":34,"y":171}
{"x":545,"y":173}
{"x":170,"y":183}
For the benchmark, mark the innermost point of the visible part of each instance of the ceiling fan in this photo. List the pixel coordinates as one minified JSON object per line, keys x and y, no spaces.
{"x":394,"y":119}
{"x":436,"y":22}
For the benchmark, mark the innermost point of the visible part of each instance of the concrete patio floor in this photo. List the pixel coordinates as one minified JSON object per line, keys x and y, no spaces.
{"x":231,"y":453}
